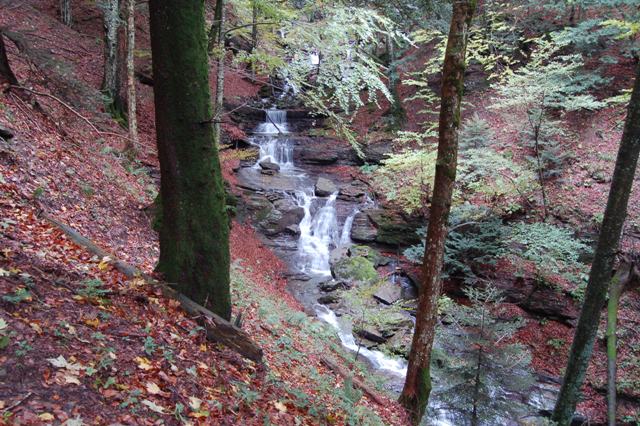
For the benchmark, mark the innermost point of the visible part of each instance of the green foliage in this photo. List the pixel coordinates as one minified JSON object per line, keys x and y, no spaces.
{"x":554,"y":250}
{"x":480,"y":372}
{"x":18,"y":296}
{"x":93,"y":289}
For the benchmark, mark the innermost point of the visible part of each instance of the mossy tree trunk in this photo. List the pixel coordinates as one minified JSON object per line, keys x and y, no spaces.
{"x":600,"y":275}
{"x":112,"y":78}
{"x":417,"y":387}
{"x":194,"y":229}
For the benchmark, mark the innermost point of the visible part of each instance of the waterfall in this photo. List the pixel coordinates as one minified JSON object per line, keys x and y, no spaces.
{"x":378,"y":359}
{"x":269,"y":138}
{"x":345,"y":237}
{"x":318,"y":233}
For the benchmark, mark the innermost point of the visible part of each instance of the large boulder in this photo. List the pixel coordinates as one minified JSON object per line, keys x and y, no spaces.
{"x":355,"y":191}
{"x":269,"y":165}
{"x":370,"y":253}
{"x":277,"y":217}
{"x":392,"y":228}
{"x":362,"y":230}
{"x":388,"y":293}
{"x":324,"y":187}
{"x":356,"y":269}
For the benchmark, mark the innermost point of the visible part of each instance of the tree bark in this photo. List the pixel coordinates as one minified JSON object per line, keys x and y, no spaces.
{"x":193,"y":226}
{"x":600,"y":275}
{"x":254,"y":25}
{"x":112,"y":77}
{"x":65,"y":12}
{"x":219,"y":106}
{"x":7,"y":77}
{"x":417,"y":387}
{"x":131,"y":146}
{"x":215,"y":35}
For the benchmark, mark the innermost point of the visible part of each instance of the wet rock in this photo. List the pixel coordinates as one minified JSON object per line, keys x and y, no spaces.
{"x":317,"y":155}
{"x":328,"y":299}
{"x":376,"y":152}
{"x":371,"y":334}
{"x":324,"y":187}
{"x":269,"y":165}
{"x":388,"y":293}
{"x":363,"y":230}
{"x":334,"y":285}
{"x":275,"y":218}
{"x":337,"y":254}
{"x":268,"y":172}
{"x":293,"y":229}
{"x":370,"y":253}
{"x":354,"y":269}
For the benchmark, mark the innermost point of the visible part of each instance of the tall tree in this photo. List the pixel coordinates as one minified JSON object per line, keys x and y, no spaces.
{"x":194,"y":228}
{"x":417,"y":386}
{"x":601,"y":269}
{"x":65,"y":12}
{"x":132,"y":120}
{"x":214,"y":32}
{"x":219,"y":104}
{"x":112,"y":78}
{"x":7,"y":77}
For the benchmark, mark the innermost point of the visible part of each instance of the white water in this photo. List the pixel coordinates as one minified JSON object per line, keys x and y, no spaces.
{"x":319,"y":232}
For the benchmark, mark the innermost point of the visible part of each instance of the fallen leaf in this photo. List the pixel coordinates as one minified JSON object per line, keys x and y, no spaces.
{"x":46,"y":417}
{"x":3,"y":324}
{"x":143,"y":363}
{"x":92,"y":322}
{"x":280,"y":406}
{"x":61,"y":362}
{"x":2,"y":403}
{"x":195,"y":403}
{"x":153,"y":388}
{"x":153,"y":406}
{"x":36,"y":327}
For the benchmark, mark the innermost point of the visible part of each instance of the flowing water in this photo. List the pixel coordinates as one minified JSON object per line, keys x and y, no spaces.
{"x":321,"y":232}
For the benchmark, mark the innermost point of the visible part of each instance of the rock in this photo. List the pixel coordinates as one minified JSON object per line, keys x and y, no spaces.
{"x":354,"y":269}
{"x":362,"y":230}
{"x":370,"y":253}
{"x":393,"y":229}
{"x":337,"y":254}
{"x":293,"y":229}
{"x":400,"y":343}
{"x":275,"y":218}
{"x":354,"y":191}
{"x":328,"y":299}
{"x":324,"y":187}
{"x":268,"y":172}
{"x":371,"y":334}
{"x":269,"y":165}
{"x":388,"y":293}
{"x":376,"y":152}
{"x":334,"y":285}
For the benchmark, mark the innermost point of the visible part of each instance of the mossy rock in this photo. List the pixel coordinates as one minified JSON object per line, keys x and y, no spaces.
{"x":370,"y":253}
{"x":355,"y":269}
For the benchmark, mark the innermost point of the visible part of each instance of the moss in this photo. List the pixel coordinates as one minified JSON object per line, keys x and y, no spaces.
{"x":357,"y":269}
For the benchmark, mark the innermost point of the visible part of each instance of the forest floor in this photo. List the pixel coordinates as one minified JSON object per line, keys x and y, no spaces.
{"x":81,"y":341}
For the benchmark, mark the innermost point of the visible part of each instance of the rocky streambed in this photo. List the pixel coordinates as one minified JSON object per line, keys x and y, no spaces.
{"x":341,"y":248}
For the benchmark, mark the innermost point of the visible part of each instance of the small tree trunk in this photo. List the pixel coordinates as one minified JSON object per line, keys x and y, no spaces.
{"x":193,"y":227}
{"x":214,"y":31}
{"x":219,"y":105}
{"x":65,"y":12}
{"x":600,"y":275}
{"x":112,"y":78}
{"x":132,"y":143}
{"x":417,"y":386}
{"x":254,"y":26}
{"x":7,"y":77}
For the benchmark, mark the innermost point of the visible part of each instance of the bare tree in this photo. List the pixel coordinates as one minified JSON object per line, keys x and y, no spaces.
{"x":65,"y":12}
{"x":132,"y":143}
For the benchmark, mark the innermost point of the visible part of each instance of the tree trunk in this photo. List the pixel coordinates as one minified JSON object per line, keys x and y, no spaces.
{"x":194,"y":227}
{"x":65,"y":12}
{"x":219,"y":106}
{"x":215,"y":35}
{"x":254,"y":26}
{"x":132,"y":143}
{"x":7,"y":77}
{"x":112,"y":78}
{"x":600,"y":275}
{"x":417,"y":387}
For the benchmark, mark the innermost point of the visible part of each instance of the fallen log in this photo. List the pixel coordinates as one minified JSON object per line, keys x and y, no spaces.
{"x":357,"y":383}
{"x":217,"y":328}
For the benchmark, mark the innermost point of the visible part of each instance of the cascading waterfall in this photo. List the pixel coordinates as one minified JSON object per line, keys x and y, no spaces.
{"x":345,"y":236}
{"x":270,"y":138}
{"x":318,"y":234}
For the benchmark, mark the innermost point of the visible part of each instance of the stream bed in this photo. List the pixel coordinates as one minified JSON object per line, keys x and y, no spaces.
{"x":322,"y":223}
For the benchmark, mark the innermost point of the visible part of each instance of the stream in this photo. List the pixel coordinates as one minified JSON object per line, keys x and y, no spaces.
{"x":325,"y":224}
